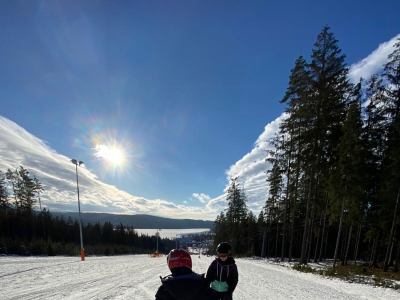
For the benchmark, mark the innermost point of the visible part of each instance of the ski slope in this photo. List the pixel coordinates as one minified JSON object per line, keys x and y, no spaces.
{"x":137,"y":277}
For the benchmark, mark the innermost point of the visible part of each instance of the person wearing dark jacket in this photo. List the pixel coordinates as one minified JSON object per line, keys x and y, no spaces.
{"x":223,"y":273}
{"x":182,"y":283}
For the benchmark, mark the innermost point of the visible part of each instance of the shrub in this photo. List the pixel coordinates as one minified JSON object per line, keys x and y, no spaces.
{"x":303,"y":268}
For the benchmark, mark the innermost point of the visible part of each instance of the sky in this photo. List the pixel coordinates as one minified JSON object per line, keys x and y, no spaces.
{"x":138,"y":277}
{"x":163,"y":101}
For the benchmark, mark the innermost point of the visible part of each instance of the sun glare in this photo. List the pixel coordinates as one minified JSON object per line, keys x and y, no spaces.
{"x":114,"y":156}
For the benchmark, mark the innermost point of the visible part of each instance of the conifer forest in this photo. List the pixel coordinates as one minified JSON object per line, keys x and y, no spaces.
{"x":334,"y":180}
{"x":26,"y":231}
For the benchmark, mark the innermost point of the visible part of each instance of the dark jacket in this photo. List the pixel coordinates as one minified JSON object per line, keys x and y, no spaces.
{"x":183,"y":284}
{"x":223,"y":275}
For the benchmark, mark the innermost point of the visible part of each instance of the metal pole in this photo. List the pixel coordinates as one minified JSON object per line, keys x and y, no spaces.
{"x":157,"y":237}
{"x":79,"y":210}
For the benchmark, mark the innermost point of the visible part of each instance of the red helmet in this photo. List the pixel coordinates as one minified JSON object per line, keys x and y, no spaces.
{"x":179,"y":258}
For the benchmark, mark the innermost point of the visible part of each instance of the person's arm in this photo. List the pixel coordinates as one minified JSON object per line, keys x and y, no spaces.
{"x":210,"y":273}
{"x":233,"y":279}
{"x":160,"y":292}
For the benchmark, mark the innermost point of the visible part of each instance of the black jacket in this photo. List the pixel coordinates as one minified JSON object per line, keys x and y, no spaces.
{"x":224,"y":272}
{"x":183,"y":284}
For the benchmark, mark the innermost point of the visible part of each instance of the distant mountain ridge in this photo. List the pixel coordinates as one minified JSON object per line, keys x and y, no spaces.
{"x":137,"y":221}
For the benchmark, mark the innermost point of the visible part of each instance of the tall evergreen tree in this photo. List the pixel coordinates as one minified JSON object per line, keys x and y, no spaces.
{"x":236,"y":213}
{"x":26,"y":189}
{"x":293,"y":128}
{"x":317,"y":100}
{"x":12,"y":178}
{"x":221,"y":230}
{"x":346,"y":179}
{"x":391,"y":191}
{"x":4,"y":204}
{"x":38,"y":189}
{"x":4,"y":200}
{"x":374,"y":136}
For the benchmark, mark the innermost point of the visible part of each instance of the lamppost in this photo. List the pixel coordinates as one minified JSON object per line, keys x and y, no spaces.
{"x":157,"y":236}
{"x":76,"y":163}
{"x":176,"y":241}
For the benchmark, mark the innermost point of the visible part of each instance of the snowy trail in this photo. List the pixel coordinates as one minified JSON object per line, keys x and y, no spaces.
{"x":68,"y":278}
{"x":137,"y":277}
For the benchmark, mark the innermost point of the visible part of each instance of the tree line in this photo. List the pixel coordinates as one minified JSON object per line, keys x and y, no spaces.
{"x":24,"y":230}
{"x":334,"y":181}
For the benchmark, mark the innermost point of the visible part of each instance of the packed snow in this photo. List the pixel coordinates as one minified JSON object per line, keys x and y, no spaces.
{"x":137,"y":277}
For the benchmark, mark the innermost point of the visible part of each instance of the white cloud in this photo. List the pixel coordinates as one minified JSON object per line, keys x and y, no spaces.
{"x":373,"y":63}
{"x":203,"y":198}
{"x":252,"y":167}
{"x":57,"y":175}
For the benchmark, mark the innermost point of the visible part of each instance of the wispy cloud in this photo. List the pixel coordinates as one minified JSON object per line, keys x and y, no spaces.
{"x":252,"y":167}
{"x":373,"y":63}
{"x":203,"y":198}
{"x":57,"y":175}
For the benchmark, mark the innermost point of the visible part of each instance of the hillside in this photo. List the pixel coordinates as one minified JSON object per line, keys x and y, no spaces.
{"x":137,"y":221}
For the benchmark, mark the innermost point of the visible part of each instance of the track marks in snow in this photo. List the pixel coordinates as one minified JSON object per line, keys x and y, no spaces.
{"x":137,"y":277}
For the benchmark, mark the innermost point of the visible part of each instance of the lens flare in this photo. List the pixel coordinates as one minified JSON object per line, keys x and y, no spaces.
{"x":114,"y":155}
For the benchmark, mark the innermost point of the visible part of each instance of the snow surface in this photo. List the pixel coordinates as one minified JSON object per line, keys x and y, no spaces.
{"x":137,"y":277}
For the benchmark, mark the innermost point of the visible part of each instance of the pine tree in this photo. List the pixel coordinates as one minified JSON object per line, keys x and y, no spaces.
{"x":4,"y":205}
{"x":221,"y":230}
{"x":236,"y":213}
{"x":346,"y":180}
{"x":374,"y":136}
{"x":392,"y":161}
{"x":38,"y":189}
{"x":4,"y":200}
{"x":327,"y":100}
{"x":26,"y":189}
{"x":12,"y":178}
{"x":294,"y":128}
{"x":317,"y":100}
{"x":273,"y":205}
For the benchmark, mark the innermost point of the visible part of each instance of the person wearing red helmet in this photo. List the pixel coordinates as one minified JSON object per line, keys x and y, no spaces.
{"x":223,"y":273}
{"x":182,"y":283}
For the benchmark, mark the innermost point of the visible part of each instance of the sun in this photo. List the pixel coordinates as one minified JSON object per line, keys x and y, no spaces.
{"x":112,"y":155}
{"x":115,"y":156}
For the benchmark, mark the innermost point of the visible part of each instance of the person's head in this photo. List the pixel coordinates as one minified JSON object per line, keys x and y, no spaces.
{"x":179,"y":258}
{"x":223,"y":250}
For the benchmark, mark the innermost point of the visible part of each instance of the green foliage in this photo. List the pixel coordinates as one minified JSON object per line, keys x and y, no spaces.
{"x":358,"y":274}
{"x":303,"y":268}
{"x":50,"y":250}
{"x":24,"y":231}
{"x":338,"y":272}
{"x":335,"y":158}
{"x":237,"y":226}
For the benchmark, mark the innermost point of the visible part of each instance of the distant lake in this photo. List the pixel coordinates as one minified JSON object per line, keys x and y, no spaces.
{"x":171,"y":233}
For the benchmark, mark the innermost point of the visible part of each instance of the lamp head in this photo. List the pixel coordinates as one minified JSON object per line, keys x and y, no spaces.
{"x":74,"y":161}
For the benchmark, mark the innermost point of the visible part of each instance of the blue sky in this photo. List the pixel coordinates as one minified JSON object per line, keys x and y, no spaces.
{"x":186,"y":91}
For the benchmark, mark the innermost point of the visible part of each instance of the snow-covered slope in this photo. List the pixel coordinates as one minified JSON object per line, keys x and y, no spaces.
{"x":137,"y":277}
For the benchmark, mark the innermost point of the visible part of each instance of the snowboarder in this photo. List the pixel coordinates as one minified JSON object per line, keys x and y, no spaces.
{"x":222,"y":273}
{"x":183,"y":283}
